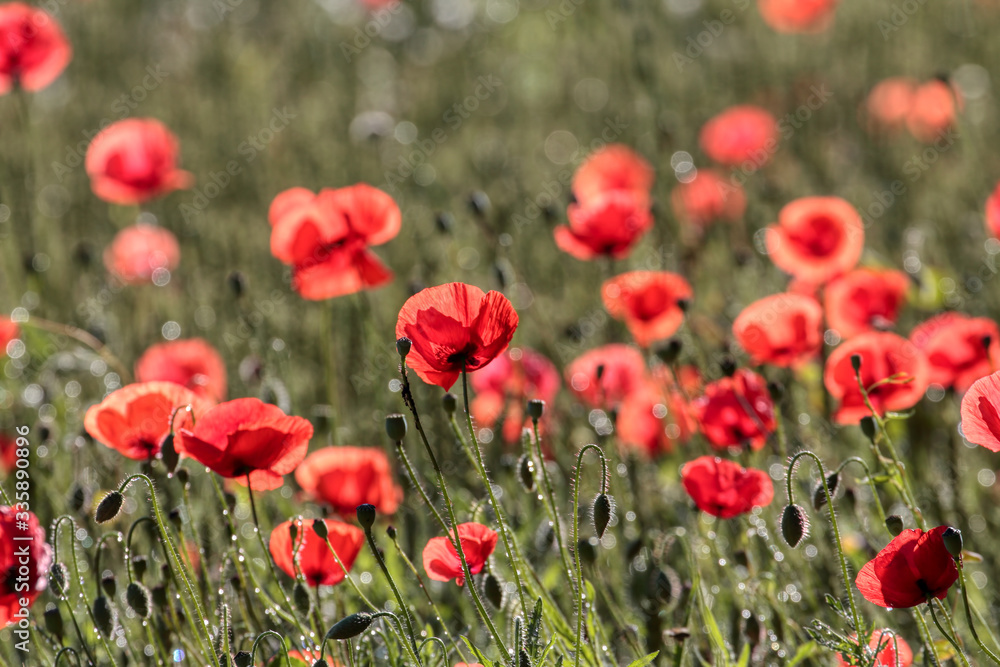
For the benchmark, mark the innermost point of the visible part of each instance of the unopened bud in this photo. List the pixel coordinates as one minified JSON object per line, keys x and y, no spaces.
{"x":535,"y":409}
{"x":59,"y":579}
{"x":526,"y":472}
{"x":109,"y":585}
{"x":894,"y":524}
{"x":319,"y":527}
{"x":450,"y":403}
{"x":351,"y":626}
{"x":856,"y":362}
{"x":819,"y":494}
{"x":395,"y":427}
{"x":492,"y":591}
{"x":104,"y":615}
{"x":54,"y":622}
{"x":669,"y":351}
{"x":137,"y":598}
{"x":168,"y":453}
{"x":952,"y":541}
{"x":237,"y":283}
{"x":403,"y":347}
{"x":109,"y":507}
{"x":300,"y":596}
{"x":794,"y":525}
{"x":869,"y":427}
{"x":728,"y":365}
{"x":603,"y":509}
{"x":391,"y":532}
{"x":243,"y":659}
{"x":366,"y":516}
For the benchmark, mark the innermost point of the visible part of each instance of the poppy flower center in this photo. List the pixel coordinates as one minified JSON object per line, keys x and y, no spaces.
{"x":818,"y":237}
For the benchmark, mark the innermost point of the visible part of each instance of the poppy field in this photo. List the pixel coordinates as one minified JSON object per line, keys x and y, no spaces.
{"x":499,"y":333}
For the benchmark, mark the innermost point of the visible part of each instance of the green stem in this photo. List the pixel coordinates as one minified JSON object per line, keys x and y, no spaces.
{"x":392,"y":584}
{"x":950,"y":636}
{"x":550,"y":501}
{"x":968,"y":612}
{"x":581,"y":594}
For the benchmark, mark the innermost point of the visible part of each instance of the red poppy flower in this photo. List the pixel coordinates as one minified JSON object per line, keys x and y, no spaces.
{"x":798,"y":16}
{"x":247,"y":437}
{"x":651,"y":303}
{"x":981,"y":412}
{"x":725,"y":489}
{"x":909,"y":571}
{"x":441,"y":561}
{"x":784,"y":330}
{"x":604,"y":376}
{"x":959,"y":349}
{"x":934,"y":110}
{"x":883,"y":355}
{"x":135,"y":419}
{"x":311,"y":556}
{"x":345,"y":477}
{"x":33,"y":49}
{"x":816,"y":238}
{"x":326,"y":238}
{"x":740,"y":134}
{"x":864,"y":300}
{"x":24,"y":578}
{"x":454,"y":326}
{"x":993,"y":213}
{"x":9,"y":331}
{"x":507,"y":383}
{"x":654,"y":419}
{"x":707,"y":198}
{"x":191,"y":363}
{"x":895,"y":652}
{"x":608,"y":225}
{"x":614,"y":168}
{"x":736,"y":411}
{"x":889,"y":103}
{"x":135,"y":160}
{"x":140,"y":250}
{"x":8,"y":452}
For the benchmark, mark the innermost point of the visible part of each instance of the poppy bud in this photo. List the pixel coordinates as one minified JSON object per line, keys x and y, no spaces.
{"x":54,"y":622}
{"x":237,"y":283}
{"x":535,"y":409}
{"x":479,"y":203}
{"x":77,"y":497}
{"x":168,"y":454}
{"x":601,"y":513}
{"x":243,"y":659}
{"x":351,"y":626}
{"x":183,"y":476}
{"x":300,"y":596}
{"x":599,"y":371}
{"x":159,"y":594}
{"x":395,"y":427}
{"x":728,"y":365}
{"x":366,"y":516}
{"x":403,"y":347}
{"x":740,"y":558}
{"x":321,"y":663}
{"x":293,"y":531}
{"x":492,"y":591}
{"x":669,"y":351}
{"x":109,"y":507}
{"x":523,"y":659}
{"x":139,"y":567}
{"x":319,"y":527}
{"x":444,"y":222}
{"x":588,"y":553}
{"x":391,"y":532}
{"x":526,"y":472}
{"x":776,"y":391}
{"x":869,"y":427}
{"x":894,"y":524}
{"x":856,"y":362}
{"x":59,"y":579}
{"x":794,"y":525}
{"x":819,"y":494}
{"x":137,"y":598}
{"x":450,"y":403}
{"x":175,"y":518}
{"x":104,"y":616}
{"x":952,"y":541}
{"x":109,"y":585}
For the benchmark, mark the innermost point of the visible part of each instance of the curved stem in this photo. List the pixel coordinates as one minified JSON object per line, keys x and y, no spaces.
{"x":968,"y":613}
{"x":85,"y":338}
{"x":66,"y":651}
{"x":871,"y":483}
{"x":925,"y":636}
{"x":950,"y":636}
{"x":281,"y":643}
{"x":550,"y":501}
{"x":392,"y":584}
{"x":581,"y":595}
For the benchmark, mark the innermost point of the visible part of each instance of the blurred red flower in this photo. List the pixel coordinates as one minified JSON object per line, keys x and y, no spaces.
{"x":8,"y":452}
{"x":247,"y":437}
{"x":326,"y":238}
{"x":311,"y":556}
{"x":895,"y":651}
{"x":784,"y":330}
{"x":9,"y":331}
{"x":191,"y":363}
{"x":864,"y":300}
{"x":135,"y":160}
{"x":138,"y":251}
{"x":604,"y":376}
{"x":736,"y":411}
{"x":454,"y":326}
{"x":614,"y":168}
{"x":441,"y":561}
{"x":883,"y":355}
{"x":934,"y":110}
{"x":607,"y":225}
{"x":654,"y":418}
{"x":725,"y":489}
{"x":504,"y":386}
{"x":993,"y":213}
{"x":798,"y":16}
{"x":889,"y":103}
{"x":740,"y":134}
{"x":913,"y":568}
{"x":24,"y":578}
{"x":135,"y":419}
{"x":816,"y":238}
{"x":33,"y":49}
{"x":345,"y":477}
{"x":981,"y":412}
{"x":708,"y":198}
{"x":959,"y":349}
{"x":652,"y":303}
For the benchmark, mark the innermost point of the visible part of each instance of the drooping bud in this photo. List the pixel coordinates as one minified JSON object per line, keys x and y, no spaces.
{"x":492,"y":591}
{"x":603,"y":509}
{"x":351,"y":626}
{"x":137,"y":598}
{"x":952,"y":541}
{"x":669,"y":351}
{"x":243,"y":659}
{"x":300,"y":596}
{"x":59,"y":579}
{"x":237,"y":283}
{"x":77,"y":497}
{"x":366,"y":516}
{"x":109,"y":585}
{"x":183,"y":476}
{"x":535,"y":409}
{"x":819,"y":494}
{"x":139,"y":567}
{"x":728,"y":365}
{"x":54,"y":622}
{"x":403,"y":347}
{"x":321,"y":663}
{"x":319,"y":527}
{"x":526,"y":472}
{"x":293,"y":531}
{"x":168,"y":454}
{"x":894,"y":524}
{"x":856,"y":362}
{"x":104,"y":615}
{"x":395,"y":427}
{"x":450,"y":403}
{"x":794,"y":524}
{"x":391,"y":532}
{"x":776,"y":390}
{"x":109,"y":507}
{"x":869,"y":427}
{"x":159,"y":595}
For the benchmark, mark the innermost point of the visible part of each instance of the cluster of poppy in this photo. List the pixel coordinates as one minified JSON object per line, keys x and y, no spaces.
{"x":926,"y":110}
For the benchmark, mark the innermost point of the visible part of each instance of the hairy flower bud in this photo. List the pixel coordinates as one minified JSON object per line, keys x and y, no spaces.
{"x":54,"y":621}
{"x":109,"y":507}
{"x":59,"y":579}
{"x":601,"y":513}
{"x":109,"y":585}
{"x":351,"y":626}
{"x":894,"y":524}
{"x":526,"y":472}
{"x":450,"y":403}
{"x":492,"y":591}
{"x":137,"y":598}
{"x":819,"y":494}
{"x":391,"y":532}
{"x":856,"y":362}
{"x":869,"y":427}
{"x":953,"y":541}
{"x":104,"y":615}
{"x":535,"y":409}
{"x":366,"y":516}
{"x":300,"y":596}
{"x":403,"y":347}
{"x":794,"y":525}
{"x":243,"y":659}
{"x":319,"y":527}
{"x":395,"y":427}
